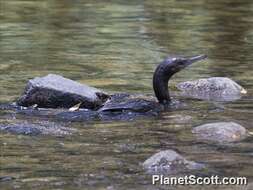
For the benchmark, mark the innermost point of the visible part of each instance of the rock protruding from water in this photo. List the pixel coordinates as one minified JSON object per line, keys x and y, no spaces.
{"x":215,"y":88}
{"x":221,"y":132}
{"x":54,"y":91}
{"x":33,"y":129}
{"x":169,"y":162}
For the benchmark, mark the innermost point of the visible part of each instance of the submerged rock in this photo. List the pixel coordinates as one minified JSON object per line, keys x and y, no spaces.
{"x":45,"y":128}
{"x":214,"y":88}
{"x":220,"y":132}
{"x":169,"y":162}
{"x":54,"y":91}
{"x":6,"y":178}
{"x":78,"y":116}
{"x":89,"y":115}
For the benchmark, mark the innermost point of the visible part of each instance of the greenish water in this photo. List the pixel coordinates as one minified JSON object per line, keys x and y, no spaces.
{"x":115,"y":46}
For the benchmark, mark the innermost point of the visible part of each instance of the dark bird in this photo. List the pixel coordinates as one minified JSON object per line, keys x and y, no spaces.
{"x":165,"y":71}
{"x":161,"y":77}
{"x":116,"y":106}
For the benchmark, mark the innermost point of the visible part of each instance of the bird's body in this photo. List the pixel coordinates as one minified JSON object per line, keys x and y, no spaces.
{"x":120,"y":106}
{"x":143,"y":103}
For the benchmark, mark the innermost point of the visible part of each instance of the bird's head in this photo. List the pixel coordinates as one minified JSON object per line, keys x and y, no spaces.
{"x":175,"y":64}
{"x":165,"y":70}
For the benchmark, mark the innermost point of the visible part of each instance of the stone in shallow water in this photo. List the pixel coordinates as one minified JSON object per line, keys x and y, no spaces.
{"x":169,"y":162}
{"x":6,"y":178}
{"x":215,"y":88}
{"x":44,"y":128}
{"x":54,"y":91}
{"x":222,"y":132}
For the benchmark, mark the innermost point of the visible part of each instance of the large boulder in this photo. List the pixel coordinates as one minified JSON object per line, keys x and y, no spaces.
{"x":214,"y":88}
{"x":54,"y":91}
{"x":170,"y":162}
{"x":220,"y":132}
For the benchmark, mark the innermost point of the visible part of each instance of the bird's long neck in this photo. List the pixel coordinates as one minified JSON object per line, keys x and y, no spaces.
{"x":161,"y":77}
{"x":164,"y":72}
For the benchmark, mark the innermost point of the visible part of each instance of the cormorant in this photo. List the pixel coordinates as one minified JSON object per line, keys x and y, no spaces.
{"x":161,"y":76}
{"x":118,"y":106}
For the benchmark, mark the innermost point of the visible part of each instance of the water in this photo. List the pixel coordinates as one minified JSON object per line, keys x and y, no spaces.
{"x":115,"y":46}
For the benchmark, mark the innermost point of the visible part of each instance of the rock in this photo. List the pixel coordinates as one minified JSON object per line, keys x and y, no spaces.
{"x":6,"y":178}
{"x":169,"y":162}
{"x":215,"y":88}
{"x":89,"y":115}
{"x":222,"y":132}
{"x":81,"y":115}
{"x":45,"y":128}
{"x":54,"y":91}
{"x":78,"y":116}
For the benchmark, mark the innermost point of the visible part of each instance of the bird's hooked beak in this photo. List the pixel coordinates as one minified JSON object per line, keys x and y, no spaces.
{"x":184,"y":62}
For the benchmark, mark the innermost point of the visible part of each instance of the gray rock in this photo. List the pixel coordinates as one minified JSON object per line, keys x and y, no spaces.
{"x":222,"y":132}
{"x":54,"y":91}
{"x":6,"y":178}
{"x":169,"y":162}
{"x":215,"y":88}
{"x":45,"y":128}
